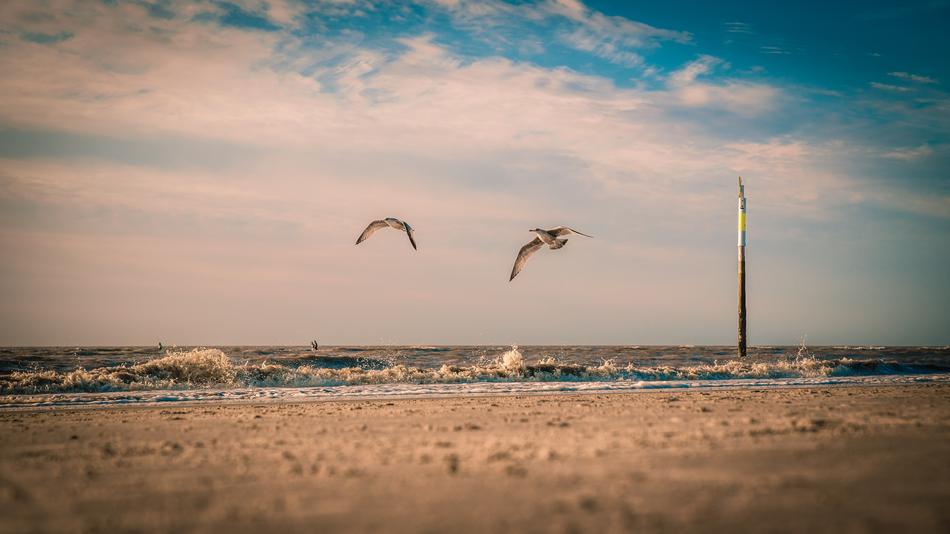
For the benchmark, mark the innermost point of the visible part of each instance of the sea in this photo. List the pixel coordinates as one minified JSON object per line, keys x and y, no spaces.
{"x":56,"y":376}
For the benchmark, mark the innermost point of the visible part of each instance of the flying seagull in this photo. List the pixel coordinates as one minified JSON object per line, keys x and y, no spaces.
{"x":388,"y":221}
{"x":545,"y":237}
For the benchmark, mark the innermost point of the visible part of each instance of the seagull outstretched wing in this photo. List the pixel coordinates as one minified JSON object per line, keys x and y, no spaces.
{"x":558,"y":231}
{"x":371,"y":229}
{"x":411,"y":238}
{"x":523,"y":255}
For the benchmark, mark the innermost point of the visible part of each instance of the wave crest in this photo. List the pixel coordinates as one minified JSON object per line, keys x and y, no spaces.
{"x":199,"y":367}
{"x":212,"y":368}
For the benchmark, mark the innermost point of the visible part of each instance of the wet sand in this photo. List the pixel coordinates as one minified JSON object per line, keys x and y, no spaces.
{"x":831,"y":459}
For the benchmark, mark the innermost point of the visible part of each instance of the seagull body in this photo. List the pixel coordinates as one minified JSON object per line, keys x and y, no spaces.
{"x":544,"y":237}
{"x":391,"y":222}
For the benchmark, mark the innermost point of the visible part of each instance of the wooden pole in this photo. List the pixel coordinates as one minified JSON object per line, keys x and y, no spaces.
{"x":742,"y":309}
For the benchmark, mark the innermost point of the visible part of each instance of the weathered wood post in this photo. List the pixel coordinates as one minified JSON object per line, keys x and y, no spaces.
{"x":742,"y":309}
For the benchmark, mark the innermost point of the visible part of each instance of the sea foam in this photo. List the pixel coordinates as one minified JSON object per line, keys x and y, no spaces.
{"x":205,"y":368}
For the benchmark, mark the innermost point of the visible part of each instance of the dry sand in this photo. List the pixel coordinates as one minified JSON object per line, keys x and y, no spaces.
{"x":833,"y":459}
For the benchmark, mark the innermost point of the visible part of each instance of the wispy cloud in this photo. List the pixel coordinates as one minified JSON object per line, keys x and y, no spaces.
{"x":619,"y":30}
{"x":738,"y":27}
{"x":774,"y":50}
{"x":615,"y":39}
{"x":912,"y":77}
{"x":909,"y":154}
{"x":587,"y":41}
{"x":744,"y":98}
{"x":702,"y":65}
{"x":890,"y":87}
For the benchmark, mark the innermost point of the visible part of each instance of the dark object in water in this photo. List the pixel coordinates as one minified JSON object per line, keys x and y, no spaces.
{"x":314,"y":345}
{"x":160,"y":346}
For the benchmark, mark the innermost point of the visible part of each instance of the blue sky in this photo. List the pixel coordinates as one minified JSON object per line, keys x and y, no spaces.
{"x":196,"y":172}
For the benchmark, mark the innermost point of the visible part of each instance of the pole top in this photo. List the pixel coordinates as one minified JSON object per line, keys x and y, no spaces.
{"x":741,"y":188}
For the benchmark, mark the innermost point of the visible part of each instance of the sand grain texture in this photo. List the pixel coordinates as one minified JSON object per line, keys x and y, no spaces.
{"x":845,"y":459}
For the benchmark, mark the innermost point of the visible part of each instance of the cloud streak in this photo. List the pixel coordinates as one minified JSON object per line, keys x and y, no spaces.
{"x":912,"y":77}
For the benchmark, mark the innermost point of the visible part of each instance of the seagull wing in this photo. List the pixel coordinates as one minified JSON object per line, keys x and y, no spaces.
{"x":564,"y":230}
{"x":370,"y":230}
{"x":523,"y":255}
{"x":411,"y":239}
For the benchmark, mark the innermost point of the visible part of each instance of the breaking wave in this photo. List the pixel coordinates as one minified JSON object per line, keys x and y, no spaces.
{"x":212,"y":368}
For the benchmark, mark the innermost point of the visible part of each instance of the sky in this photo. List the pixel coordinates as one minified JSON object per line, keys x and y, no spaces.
{"x":198,"y":172}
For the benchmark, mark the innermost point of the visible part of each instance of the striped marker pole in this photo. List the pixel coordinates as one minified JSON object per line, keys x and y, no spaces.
{"x":742,"y":310}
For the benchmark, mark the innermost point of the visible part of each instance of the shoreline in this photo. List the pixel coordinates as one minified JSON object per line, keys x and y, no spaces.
{"x":825,"y":458}
{"x":287,"y":394}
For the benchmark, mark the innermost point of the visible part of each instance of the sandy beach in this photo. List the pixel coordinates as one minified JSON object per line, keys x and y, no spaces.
{"x":831,"y":459}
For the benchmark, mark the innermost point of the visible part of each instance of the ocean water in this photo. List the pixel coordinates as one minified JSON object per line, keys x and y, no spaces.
{"x":104,"y":375}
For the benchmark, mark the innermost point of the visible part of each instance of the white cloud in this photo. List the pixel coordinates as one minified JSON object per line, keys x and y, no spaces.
{"x":774,"y":50}
{"x":615,"y":39}
{"x":694,"y":69}
{"x":612,"y":38}
{"x":583,"y":39}
{"x":889,"y":87}
{"x":738,"y":27}
{"x":912,"y":77}
{"x":423,"y":105}
{"x":908,"y":154}
{"x":743,"y":98}
{"x":570,"y":8}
